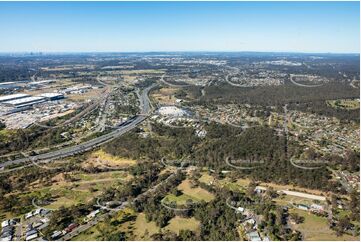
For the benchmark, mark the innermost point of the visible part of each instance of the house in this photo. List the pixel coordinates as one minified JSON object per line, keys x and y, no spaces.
{"x":302,"y":207}
{"x":31,"y":232}
{"x":29,"y":215}
{"x":5,"y":223}
{"x":254,"y":236}
{"x":70,"y":227}
{"x":249,"y":223}
{"x":240,"y":210}
{"x":260,"y":190}
{"x":31,"y":237}
{"x":8,"y":222}
{"x":91,"y":215}
{"x":7,"y":229}
{"x":37,"y":224}
{"x":317,"y":207}
{"x":56,"y":234}
{"x":8,"y":238}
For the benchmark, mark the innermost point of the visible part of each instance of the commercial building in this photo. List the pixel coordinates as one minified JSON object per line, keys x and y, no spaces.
{"x":24,"y":102}
{"x":172,"y":111}
{"x":9,"y":85}
{"x":52,"y":96}
{"x":13,"y":97}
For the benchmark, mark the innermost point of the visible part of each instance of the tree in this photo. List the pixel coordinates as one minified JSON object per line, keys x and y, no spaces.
{"x":297,"y":218}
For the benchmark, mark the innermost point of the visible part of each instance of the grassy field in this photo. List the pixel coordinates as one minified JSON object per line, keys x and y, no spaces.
{"x":316,"y":228}
{"x":177,"y":224}
{"x":100,"y":158}
{"x":195,"y":194}
{"x":77,"y":188}
{"x":165,"y":96}
{"x":241,"y":184}
{"x":206,"y":178}
{"x":142,"y":229}
{"x":103,"y":229}
{"x":286,"y":200}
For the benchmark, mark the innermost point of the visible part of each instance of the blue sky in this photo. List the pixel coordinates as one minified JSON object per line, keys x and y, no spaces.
{"x":180,"y":26}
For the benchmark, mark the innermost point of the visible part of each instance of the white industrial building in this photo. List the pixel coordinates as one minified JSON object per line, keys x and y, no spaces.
{"x":172,"y":111}
{"x":23,"y":102}
{"x":13,"y":97}
{"x":52,"y":96}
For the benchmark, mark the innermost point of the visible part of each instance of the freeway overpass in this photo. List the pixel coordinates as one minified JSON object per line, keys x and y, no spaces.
{"x":86,"y":146}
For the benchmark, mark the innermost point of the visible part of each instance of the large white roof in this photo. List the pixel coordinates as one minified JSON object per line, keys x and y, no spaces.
{"x":51,"y":94}
{"x":13,"y":96}
{"x":172,"y":111}
{"x":24,"y":100}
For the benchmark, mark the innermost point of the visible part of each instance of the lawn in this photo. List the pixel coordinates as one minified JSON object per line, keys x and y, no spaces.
{"x":177,"y":224}
{"x":316,"y":228}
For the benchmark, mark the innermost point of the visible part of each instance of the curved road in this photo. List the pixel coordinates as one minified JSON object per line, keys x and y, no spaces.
{"x":88,"y":145}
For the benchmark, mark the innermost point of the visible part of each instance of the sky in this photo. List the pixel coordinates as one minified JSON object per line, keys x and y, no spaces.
{"x":322,"y":27}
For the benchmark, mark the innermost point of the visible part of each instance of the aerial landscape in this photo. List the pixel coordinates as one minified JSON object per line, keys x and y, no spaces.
{"x":174,"y":143}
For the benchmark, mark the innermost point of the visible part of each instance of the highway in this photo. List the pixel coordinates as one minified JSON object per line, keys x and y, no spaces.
{"x":88,"y":145}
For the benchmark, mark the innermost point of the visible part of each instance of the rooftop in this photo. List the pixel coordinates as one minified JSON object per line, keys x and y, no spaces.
{"x":23,"y":100}
{"x":13,"y":96}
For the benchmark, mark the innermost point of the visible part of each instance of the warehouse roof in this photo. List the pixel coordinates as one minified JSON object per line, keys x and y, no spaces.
{"x":24,"y":100}
{"x":13,"y":96}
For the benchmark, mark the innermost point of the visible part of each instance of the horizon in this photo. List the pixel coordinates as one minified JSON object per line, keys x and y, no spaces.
{"x":79,"y":27}
{"x":176,"y":51}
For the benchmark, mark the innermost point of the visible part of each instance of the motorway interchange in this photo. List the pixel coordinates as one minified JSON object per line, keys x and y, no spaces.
{"x":145,"y":107}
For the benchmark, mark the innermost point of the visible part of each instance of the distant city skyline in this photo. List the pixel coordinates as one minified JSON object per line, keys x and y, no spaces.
{"x":308,"y":27}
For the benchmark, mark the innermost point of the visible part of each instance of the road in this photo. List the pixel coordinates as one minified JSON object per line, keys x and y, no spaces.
{"x":303,"y":85}
{"x":172,"y":85}
{"x":91,"y":223}
{"x":88,"y":145}
{"x":110,"y":213}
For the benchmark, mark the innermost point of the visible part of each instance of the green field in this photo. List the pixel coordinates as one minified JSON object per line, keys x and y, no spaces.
{"x":316,"y":228}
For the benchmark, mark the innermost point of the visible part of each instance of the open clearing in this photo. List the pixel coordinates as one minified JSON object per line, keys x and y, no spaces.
{"x":74,"y":188}
{"x":196,"y":193}
{"x":177,"y":224}
{"x":143,"y":229}
{"x":165,"y":96}
{"x":316,"y":228}
{"x":189,"y":193}
{"x":102,"y":159}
